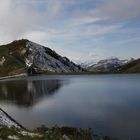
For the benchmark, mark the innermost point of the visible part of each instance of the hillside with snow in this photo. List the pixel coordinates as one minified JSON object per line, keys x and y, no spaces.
{"x":24,"y":56}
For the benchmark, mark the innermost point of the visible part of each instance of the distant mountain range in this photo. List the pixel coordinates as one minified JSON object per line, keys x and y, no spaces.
{"x":107,"y":65}
{"x":24,"y":56}
{"x":116,"y":65}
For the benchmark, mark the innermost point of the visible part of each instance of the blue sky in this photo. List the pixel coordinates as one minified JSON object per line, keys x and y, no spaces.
{"x":82,"y":30}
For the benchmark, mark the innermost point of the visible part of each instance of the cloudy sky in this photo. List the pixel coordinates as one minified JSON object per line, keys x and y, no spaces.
{"x":79,"y":29}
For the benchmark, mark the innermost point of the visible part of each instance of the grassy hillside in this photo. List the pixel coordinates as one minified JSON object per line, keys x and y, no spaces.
{"x":132,"y":67}
{"x":43,"y":133}
{"x":11,"y":59}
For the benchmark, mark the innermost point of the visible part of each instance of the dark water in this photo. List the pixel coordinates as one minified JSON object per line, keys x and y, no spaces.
{"x":109,"y":104}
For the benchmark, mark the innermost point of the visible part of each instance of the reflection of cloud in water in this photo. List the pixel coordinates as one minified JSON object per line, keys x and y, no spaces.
{"x":26,"y":93}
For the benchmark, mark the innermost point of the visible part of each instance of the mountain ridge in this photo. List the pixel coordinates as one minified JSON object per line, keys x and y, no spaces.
{"x":23,"y":56}
{"x":107,"y":65}
{"x":115,"y":65}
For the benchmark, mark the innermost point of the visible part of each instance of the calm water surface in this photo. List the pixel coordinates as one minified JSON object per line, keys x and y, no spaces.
{"x":109,"y":104}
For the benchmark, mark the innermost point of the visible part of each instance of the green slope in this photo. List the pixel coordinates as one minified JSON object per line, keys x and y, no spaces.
{"x":132,"y":67}
{"x":14,"y":60}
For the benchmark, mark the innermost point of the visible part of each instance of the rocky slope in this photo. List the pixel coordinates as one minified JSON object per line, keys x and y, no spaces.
{"x":23,"y":56}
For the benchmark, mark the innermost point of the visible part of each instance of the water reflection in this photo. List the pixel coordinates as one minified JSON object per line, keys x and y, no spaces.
{"x":109,"y":104}
{"x":27,"y":93}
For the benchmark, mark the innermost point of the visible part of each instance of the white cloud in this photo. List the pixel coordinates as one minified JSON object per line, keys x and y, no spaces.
{"x":84,"y":20}
{"x":119,"y":9}
{"x":67,"y":22}
{"x":91,"y":56}
{"x":16,"y":19}
{"x":19,"y":19}
{"x":24,"y":18}
{"x":72,"y":33}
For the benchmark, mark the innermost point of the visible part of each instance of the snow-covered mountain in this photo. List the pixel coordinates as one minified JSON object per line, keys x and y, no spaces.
{"x":108,"y":65}
{"x":24,"y":55}
{"x":86,"y":64}
{"x":45,"y":59}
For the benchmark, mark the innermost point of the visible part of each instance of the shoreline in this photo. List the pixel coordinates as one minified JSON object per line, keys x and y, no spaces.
{"x":14,"y":76}
{"x":22,"y":75}
{"x":10,"y":129}
{"x":6,"y":119}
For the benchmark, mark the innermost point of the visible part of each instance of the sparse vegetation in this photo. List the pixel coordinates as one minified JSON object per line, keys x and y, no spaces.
{"x":43,"y":133}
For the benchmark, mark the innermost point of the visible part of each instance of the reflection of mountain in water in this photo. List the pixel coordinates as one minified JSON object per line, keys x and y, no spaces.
{"x":27,"y":93}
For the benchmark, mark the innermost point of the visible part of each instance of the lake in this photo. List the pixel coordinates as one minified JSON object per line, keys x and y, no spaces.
{"x":109,"y":104}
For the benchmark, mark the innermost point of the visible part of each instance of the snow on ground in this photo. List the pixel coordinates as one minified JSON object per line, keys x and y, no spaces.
{"x":25,"y":133}
{"x":39,"y":56}
{"x":13,"y":137}
{"x":6,"y":120}
{"x":2,"y":60}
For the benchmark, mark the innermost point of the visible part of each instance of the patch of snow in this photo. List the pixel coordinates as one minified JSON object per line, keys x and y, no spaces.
{"x":13,"y":137}
{"x":25,"y":133}
{"x":66,"y":137}
{"x":28,"y":62}
{"x":6,"y":120}
{"x":2,"y":60}
{"x":23,"y":51}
